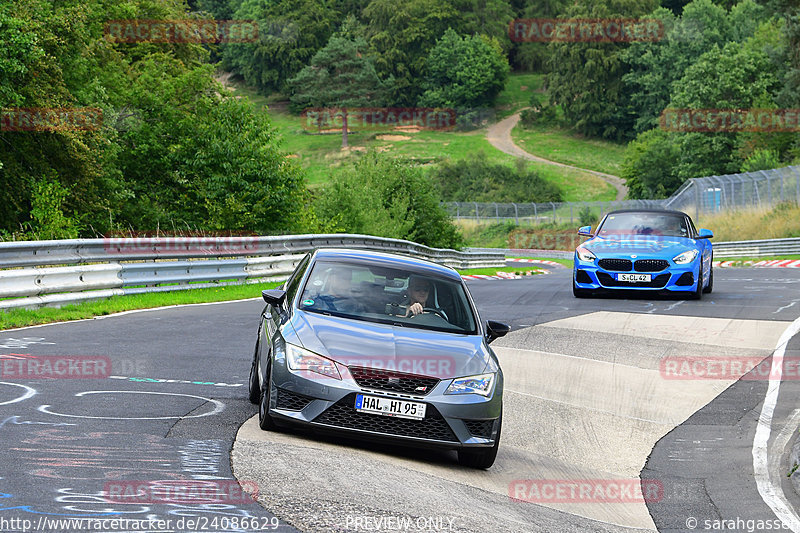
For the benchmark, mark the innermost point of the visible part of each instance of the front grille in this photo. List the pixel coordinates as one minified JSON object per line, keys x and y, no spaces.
{"x":343,"y":414}
{"x":617,"y":265}
{"x":480,"y":428}
{"x":650,"y":265}
{"x":657,"y":282}
{"x":291,"y":401}
{"x":390,"y":380}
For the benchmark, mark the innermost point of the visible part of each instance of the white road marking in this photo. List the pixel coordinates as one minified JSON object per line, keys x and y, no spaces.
{"x":771,"y":491}
{"x":28,"y":393}
{"x":784,"y":307}
{"x":218,"y":406}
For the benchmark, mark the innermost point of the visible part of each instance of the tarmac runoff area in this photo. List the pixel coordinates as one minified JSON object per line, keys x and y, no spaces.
{"x":586,"y":399}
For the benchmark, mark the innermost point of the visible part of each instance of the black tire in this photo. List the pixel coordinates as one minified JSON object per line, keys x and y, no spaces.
{"x":710,"y":287}
{"x":254,"y":389}
{"x":698,"y":291}
{"x":580,"y":293}
{"x":265,"y":421}
{"x":483,"y":457}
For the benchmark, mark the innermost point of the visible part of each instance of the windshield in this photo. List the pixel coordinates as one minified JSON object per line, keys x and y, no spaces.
{"x":656,"y":224}
{"x":387,"y":295}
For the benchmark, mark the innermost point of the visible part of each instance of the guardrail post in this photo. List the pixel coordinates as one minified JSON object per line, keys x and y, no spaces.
{"x":554,"y":212}
{"x":516,"y":214}
{"x":477,"y":216}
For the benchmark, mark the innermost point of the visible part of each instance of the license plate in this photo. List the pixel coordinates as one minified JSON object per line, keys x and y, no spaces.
{"x":389,"y":407}
{"x":636,"y":278}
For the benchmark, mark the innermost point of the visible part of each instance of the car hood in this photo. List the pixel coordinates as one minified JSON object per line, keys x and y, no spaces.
{"x":640,"y":245}
{"x":385,"y":346}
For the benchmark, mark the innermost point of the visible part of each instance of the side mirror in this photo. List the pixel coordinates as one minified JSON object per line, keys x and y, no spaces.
{"x":495,"y":330}
{"x":274,"y":297}
{"x":586,"y":231}
{"x":705,"y":234}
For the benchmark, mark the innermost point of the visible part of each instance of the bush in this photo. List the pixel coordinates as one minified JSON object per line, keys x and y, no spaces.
{"x":476,"y":179}
{"x":384,"y":197}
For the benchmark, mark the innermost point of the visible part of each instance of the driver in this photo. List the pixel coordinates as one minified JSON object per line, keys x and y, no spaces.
{"x":418,"y":291}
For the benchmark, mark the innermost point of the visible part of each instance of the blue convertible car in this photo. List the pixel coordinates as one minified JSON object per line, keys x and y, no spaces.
{"x":644,"y":250}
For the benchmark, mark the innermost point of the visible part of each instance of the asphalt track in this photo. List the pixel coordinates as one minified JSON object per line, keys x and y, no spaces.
{"x":587,"y":399}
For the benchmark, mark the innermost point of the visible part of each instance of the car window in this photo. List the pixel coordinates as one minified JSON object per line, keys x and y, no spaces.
{"x":645,"y":223}
{"x":369,"y":293}
{"x":294,"y":282}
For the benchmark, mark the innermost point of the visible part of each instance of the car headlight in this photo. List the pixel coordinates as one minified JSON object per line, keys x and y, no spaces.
{"x":300,"y":359}
{"x":686,"y":257}
{"x":481,"y":384}
{"x":585,"y":255}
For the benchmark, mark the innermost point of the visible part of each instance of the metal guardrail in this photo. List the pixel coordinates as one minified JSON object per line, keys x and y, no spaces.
{"x":758,"y":248}
{"x":98,"y":268}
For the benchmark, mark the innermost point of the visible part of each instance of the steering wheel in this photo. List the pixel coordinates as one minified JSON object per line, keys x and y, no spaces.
{"x":435,"y":312}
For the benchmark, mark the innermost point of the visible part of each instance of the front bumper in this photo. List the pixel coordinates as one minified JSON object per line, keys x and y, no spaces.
{"x":451,"y":420}
{"x":674,"y":278}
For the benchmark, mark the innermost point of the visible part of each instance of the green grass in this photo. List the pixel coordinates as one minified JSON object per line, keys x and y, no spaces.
{"x":16,"y":318}
{"x":493,"y":271}
{"x":517,"y":93}
{"x":565,"y":262}
{"x":321,"y":155}
{"x":571,"y":149}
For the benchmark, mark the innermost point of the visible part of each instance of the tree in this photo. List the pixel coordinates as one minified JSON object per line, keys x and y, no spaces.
{"x":381,"y":196}
{"x":464,"y":72}
{"x":290,"y":33}
{"x":586,"y":77}
{"x":402,"y":34}
{"x":341,"y":75}
{"x":649,"y":169}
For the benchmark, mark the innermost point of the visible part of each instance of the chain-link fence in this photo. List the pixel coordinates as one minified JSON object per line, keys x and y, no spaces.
{"x":763,"y":188}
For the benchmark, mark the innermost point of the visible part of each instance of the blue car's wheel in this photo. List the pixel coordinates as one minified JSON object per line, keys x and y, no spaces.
{"x":698,"y":291}
{"x":710,"y":282}
{"x":580,"y":293}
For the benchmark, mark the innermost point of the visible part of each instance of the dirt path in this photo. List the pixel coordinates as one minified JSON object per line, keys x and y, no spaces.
{"x":499,"y":136}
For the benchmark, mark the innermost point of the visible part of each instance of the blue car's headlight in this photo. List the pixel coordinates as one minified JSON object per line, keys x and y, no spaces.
{"x":481,"y":384}
{"x":685,"y":258}
{"x":585,"y":255}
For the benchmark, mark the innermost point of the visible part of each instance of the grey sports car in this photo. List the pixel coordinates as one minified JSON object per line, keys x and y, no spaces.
{"x":382,"y":347}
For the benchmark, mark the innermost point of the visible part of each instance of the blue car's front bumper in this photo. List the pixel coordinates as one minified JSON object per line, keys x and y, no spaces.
{"x":590,"y":275}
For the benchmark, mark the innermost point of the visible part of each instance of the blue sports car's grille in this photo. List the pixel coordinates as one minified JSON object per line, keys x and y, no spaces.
{"x":390,"y":380}
{"x":650,"y":265}
{"x":657,"y":282}
{"x":617,"y":265}
{"x":343,"y":414}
